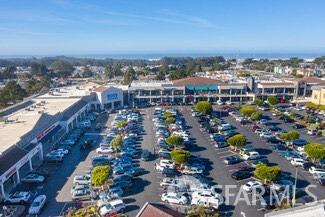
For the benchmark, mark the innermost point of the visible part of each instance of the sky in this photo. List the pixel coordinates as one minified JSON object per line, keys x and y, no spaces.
{"x":67,"y":27}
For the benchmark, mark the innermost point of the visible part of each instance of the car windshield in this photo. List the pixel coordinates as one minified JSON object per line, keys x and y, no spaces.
{"x":36,"y":204}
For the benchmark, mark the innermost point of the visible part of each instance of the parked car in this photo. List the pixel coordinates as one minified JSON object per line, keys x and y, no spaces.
{"x":232,"y":159}
{"x":112,"y":208}
{"x":175,"y":198}
{"x":82,"y":194}
{"x":239,"y":175}
{"x":19,"y":197}
{"x":37,"y":205}
{"x":251,"y":185}
{"x":297,"y":162}
{"x":33,"y":178}
{"x":81,"y":179}
{"x":145,"y":155}
{"x":251,"y":155}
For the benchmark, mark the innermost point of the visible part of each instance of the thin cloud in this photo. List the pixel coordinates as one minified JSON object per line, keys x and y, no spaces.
{"x":166,"y":16}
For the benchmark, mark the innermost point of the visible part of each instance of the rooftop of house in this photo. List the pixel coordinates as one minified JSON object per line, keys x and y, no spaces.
{"x":157,"y":210}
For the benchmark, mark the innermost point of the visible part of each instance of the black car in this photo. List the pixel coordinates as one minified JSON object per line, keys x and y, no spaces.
{"x":307,"y":165}
{"x":275,"y":140}
{"x":138,"y":171}
{"x":232,"y":159}
{"x":123,"y":178}
{"x":298,"y":126}
{"x":145,"y":155}
{"x":246,"y":168}
{"x":241,"y":174}
{"x":170,"y":172}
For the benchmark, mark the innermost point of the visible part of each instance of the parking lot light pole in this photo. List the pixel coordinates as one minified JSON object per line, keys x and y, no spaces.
{"x":294,"y":189}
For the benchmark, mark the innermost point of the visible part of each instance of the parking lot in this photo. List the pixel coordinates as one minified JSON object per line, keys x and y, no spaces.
{"x":146,"y":187}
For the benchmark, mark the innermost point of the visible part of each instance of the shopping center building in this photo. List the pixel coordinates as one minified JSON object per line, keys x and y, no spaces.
{"x":30,"y":128}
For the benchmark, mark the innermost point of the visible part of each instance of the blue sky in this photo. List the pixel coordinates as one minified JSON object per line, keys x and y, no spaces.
{"x":55,"y":27}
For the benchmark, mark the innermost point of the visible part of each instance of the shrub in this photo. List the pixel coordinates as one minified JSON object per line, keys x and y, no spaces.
{"x":121,"y":124}
{"x":99,"y":175}
{"x":203,"y":107}
{"x":256,"y":116}
{"x":170,"y":120}
{"x":258,"y":102}
{"x":247,"y":110}
{"x":116,"y":143}
{"x":272,"y":100}
{"x":311,"y":105}
{"x":180,"y":156}
{"x":175,"y":140}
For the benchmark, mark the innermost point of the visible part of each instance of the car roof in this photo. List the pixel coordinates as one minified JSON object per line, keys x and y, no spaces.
{"x":116,"y":202}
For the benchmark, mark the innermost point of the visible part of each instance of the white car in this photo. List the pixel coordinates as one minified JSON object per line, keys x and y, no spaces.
{"x":81,"y":179}
{"x":167,"y":163}
{"x":37,"y":205}
{"x":19,"y":197}
{"x":297,"y":162}
{"x":249,"y":186}
{"x":219,"y":102}
{"x":176,"y":198}
{"x":251,"y":155}
{"x":82,"y":194}
{"x":314,"y":170}
{"x":62,"y":150}
{"x":33,"y":178}
{"x":104,"y":150}
{"x":115,"y":206}
{"x":266,"y":135}
{"x":168,"y":182}
{"x":206,"y":202}
{"x":203,"y":194}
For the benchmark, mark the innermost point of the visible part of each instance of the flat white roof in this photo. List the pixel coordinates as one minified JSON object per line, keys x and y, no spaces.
{"x":37,"y":117}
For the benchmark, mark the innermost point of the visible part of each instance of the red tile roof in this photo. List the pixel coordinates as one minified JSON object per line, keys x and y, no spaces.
{"x":196,"y":81}
{"x":157,"y":210}
{"x":100,"y":89}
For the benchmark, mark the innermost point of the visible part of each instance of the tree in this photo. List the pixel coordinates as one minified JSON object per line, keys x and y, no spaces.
{"x":62,"y":68}
{"x":290,"y":136}
{"x":11,"y":93}
{"x":237,"y":141}
{"x":116,"y":143}
{"x":267,"y":173}
{"x":129,"y":76}
{"x":87,"y":73}
{"x":160,"y":75}
{"x":247,"y":110}
{"x":258,"y":101}
{"x":121,"y":124}
{"x":180,"y":156}
{"x":99,"y":175}
{"x":315,"y":151}
{"x":201,"y":211}
{"x":170,"y":120}
{"x":203,"y":107}
{"x":38,"y":69}
{"x":8,"y":73}
{"x":175,"y":140}
{"x":256,"y":116}
{"x":272,"y":100}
